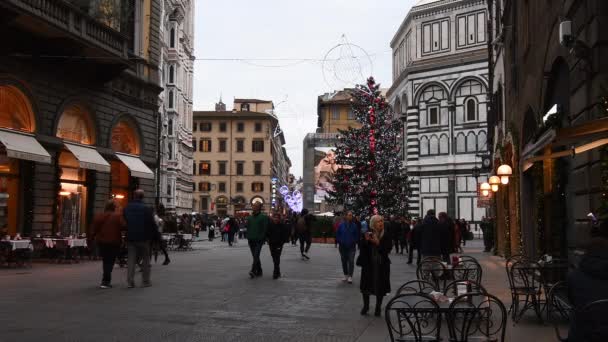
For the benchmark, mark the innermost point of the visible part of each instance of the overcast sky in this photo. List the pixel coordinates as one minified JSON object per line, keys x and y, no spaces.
{"x":286,"y":29}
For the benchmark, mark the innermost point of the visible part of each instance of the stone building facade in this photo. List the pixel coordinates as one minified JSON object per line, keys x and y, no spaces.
{"x":549,"y":122}
{"x":237,"y":154}
{"x":177,"y":67}
{"x":440,"y":85}
{"x":78,"y":110}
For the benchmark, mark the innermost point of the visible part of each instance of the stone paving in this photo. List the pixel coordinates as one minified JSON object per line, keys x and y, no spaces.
{"x":206,"y":295}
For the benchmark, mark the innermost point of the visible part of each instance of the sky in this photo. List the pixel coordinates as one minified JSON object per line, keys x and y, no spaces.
{"x":269,"y":39}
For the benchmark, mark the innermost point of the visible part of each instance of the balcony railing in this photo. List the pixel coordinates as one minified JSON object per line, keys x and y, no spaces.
{"x":66,"y":16}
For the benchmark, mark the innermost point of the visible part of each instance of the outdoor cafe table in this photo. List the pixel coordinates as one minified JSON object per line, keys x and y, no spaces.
{"x":19,"y":244}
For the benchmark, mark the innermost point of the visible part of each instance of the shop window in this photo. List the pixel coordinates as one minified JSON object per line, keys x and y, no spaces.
{"x":125,"y":138}
{"x":15,"y":110}
{"x":75,"y":124}
{"x":257,"y":146}
{"x":9,"y":195}
{"x":257,"y":187}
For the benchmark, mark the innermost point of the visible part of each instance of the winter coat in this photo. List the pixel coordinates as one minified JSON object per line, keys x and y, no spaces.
{"x":394,"y":230}
{"x":257,"y":226}
{"x":405,"y":231}
{"x":277,"y":233}
{"x":375,"y":273}
{"x":347,"y":235}
{"x":588,"y":283}
{"x":107,"y":228}
{"x":431,"y":237}
{"x":415,"y":236}
{"x":140,"y":222}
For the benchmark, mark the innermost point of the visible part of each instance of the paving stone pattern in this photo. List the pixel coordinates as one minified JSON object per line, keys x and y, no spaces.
{"x":203,"y":295}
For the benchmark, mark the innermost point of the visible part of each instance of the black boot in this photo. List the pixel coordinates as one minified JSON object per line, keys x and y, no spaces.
{"x":365,"y":304}
{"x":378,"y":311}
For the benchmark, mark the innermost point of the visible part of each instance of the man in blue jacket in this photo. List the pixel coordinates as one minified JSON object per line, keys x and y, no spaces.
{"x":347,"y":236}
{"x":141,"y":230}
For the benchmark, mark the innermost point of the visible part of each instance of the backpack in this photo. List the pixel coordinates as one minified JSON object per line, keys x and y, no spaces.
{"x":301,"y":224}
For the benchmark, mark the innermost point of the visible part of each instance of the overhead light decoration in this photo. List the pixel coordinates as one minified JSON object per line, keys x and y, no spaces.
{"x":494,"y":183}
{"x":64,"y":193}
{"x":485,"y":189}
{"x":293,"y":200}
{"x":504,"y":171}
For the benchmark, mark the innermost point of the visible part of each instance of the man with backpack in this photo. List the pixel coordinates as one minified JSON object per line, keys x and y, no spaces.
{"x":303,"y":229}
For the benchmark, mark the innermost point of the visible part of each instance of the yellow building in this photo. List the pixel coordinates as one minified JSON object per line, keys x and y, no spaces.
{"x":237,"y":154}
{"x":334,"y":112}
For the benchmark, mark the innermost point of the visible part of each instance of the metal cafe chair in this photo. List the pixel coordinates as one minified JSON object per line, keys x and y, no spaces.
{"x":477,"y":316}
{"x":590,"y":323}
{"x":557,"y":301}
{"x":468,"y":269}
{"x":508,"y":264}
{"x":416,"y":286}
{"x":433,"y":271}
{"x":413,"y":317}
{"x":525,"y":283}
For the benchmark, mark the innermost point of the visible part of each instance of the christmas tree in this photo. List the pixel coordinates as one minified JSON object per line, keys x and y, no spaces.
{"x":371,"y":178}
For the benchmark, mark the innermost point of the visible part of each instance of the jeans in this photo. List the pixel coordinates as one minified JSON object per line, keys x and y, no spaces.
{"x":108,"y":253}
{"x":305,"y":239}
{"x":347,"y":255}
{"x":138,"y":250}
{"x":275,"y":252}
{"x":256,"y":248}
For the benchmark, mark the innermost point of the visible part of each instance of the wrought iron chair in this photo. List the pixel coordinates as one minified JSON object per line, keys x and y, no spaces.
{"x":416,"y":286}
{"x":468,"y":269}
{"x":413,"y":317}
{"x":460,"y":287}
{"x":590,"y":323}
{"x":508,"y":264}
{"x":525,"y":281}
{"x":557,"y":301}
{"x":478,"y":316}
{"x":432,"y":270}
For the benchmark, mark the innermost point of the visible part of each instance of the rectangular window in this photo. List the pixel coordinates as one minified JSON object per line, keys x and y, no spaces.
{"x":471,"y":32}
{"x":257,"y":168}
{"x":335,"y":113}
{"x":462,"y":31}
{"x":195,"y":126}
{"x":204,"y":186}
{"x":240,"y":127}
{"x":258,"y":126}
{"x":204,"y":203}
{"x":221,"y":168}
{"x":426,"y":38}
{"x":222,"y":145}
{"x":194,"y":168}
{"x":434,"y":116}
{"x":221,"y":187}
{"x":445,"y":35}
{"x":240,"y":145}
{"x":222,"y":127}
{"x":351,"y":115}
{"x":194,"y":145}
{"x":435,"y":31}
{"x":205,"y":126}
{"x":239,"y":168}
{"x":239,"y":187}
{"x":257,"y":146}
{"x":257,"y":187}
{"x":204,"y":168}
{"x":205,"y":145}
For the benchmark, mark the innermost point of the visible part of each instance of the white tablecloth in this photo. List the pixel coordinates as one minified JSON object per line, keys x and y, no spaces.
{"x":77,"y":243}
{"x":20,"y":244}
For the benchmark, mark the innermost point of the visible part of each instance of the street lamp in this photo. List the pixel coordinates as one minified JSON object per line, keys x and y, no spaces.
{"x":494,"y":183}
{"x":504,"y":171}
{"x":485,"y":189}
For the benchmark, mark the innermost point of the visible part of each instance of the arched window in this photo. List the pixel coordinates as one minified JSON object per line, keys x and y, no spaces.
{"x":172,"y":37}
{"x":170,"y":151}
{"x":16,"y":110}
{"x":170,"y":127}
{"x":461,"y":143}
{"x":171,"y":99}
{"x":482,"y":141}
{"x":397,"y":107}
{"x":75,"y":124}
{"x":125,"y":138}
{"x":434,"y":145}
{"x":172,"y":74}
{"x":424,"y":146}
{"x":444,"y":147}
{"x":471,"y":142}
{"x":471,"y":110}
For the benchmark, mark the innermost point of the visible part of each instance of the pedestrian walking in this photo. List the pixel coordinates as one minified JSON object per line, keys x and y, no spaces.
{"x":431,"y":236}
{"x":458,"y":236}
{"x":107,"y":230}
{"x":277,"y":235}
{"x":404,"y":233}
{"x":257,"y":225}
{"x":375,"y":264}
{"x":304,"y":229}
{"x":414,"y":241}
{"x":161,"y":244}
{"x":394,"y":229}
{"x":337,"y":222}
{"x":447,"y":236}
{"x":141,"y":230}
{"x":487,"y":228}
{"x":347,"y":237}
{"x":231,"y":228}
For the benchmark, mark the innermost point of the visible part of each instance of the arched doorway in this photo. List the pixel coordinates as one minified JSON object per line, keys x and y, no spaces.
{"x":128,"y":168}
{"x":76,"y":165}
{"x":18,"y":150}
{"x":240,"y":203}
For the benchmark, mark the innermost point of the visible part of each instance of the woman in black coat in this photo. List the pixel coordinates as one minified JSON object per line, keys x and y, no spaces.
{"x":375,"y":264}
